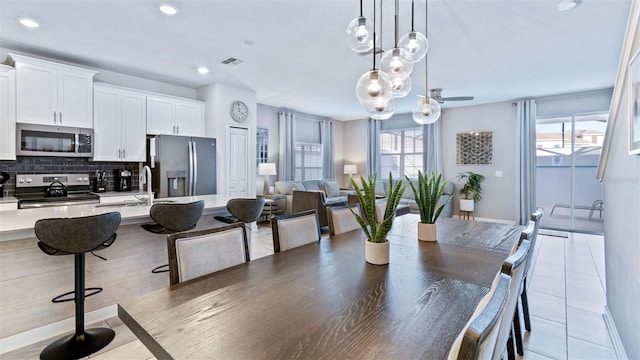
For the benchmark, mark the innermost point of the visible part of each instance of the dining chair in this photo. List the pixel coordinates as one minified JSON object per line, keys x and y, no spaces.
{"x":290,"y":231}
{"x":77,"y":236}
{"x":197,"y":253}
{"x":536,"y":217}
{"x":341,"y":219}
{"x":478,"y":338}
{"x":171,"y":218}
{"x":509,"y":331}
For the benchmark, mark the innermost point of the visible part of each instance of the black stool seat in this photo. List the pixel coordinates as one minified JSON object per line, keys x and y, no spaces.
{"x":171,"y":218}
{"x":77,"y":236}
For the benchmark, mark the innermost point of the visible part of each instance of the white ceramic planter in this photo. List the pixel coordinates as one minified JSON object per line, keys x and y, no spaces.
{"x":466,"y":205}
{"x":427,"y":232}
{"x":376,"y":253}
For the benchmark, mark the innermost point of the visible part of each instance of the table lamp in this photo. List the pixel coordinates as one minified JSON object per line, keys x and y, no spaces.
{"x":266,"y":169}
{"x":350,"y":170}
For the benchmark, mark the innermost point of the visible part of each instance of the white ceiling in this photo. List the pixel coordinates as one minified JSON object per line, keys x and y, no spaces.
{"x":495,"y":50}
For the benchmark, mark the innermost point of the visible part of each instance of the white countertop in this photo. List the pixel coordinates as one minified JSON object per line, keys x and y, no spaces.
{"x":18,"y":224}
{"x":8,"y":199}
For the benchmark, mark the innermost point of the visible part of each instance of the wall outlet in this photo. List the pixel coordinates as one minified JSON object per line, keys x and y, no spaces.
{"x":498,"y":173}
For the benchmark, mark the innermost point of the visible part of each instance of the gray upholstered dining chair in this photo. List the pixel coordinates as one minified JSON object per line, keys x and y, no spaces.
{"x":78,"y":236}
{"x":290,"y":231}
{"x":341,"y":219}
{"x":532,"y":236}
{"x":197,"y":253}
{"x":510,"y":330}
{"x":478,"y":339}
{"x":171,"y":218}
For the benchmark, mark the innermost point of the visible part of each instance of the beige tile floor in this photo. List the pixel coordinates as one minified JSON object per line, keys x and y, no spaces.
{"x":566,"y":299}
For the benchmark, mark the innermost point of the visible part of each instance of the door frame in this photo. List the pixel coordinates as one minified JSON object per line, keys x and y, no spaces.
{"x":251,"y":191}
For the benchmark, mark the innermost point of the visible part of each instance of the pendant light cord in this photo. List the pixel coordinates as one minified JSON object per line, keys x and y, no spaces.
{"x":426,"y":58}
{"x":396,"y":28}
{"x":374,"y":34}
{"x":361,"y":8}
{"x":412,"y":6}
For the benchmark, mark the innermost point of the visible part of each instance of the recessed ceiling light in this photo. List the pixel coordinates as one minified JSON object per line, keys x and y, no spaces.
{"x":203,"y":70}
{"x":168,"y":9}
{"x":29,"y":23}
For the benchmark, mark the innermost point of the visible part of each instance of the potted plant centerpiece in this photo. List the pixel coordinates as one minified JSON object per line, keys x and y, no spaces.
{"x":377,"y":246}
{"x":427,"y":195}
{"x":471,"y":191}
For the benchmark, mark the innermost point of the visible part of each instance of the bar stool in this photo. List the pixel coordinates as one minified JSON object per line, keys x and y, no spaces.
{"x":171,"y":218}
{"x":77,"y":236}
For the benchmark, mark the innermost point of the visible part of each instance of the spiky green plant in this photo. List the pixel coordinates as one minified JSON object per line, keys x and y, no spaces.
{"x":375,"y":232}
{"x":427,"y":195}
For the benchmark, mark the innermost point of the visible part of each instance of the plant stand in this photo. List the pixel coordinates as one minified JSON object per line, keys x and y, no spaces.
{"x":464,"y":214}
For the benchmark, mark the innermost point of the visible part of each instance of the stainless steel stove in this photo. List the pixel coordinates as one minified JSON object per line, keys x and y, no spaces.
{"x":44,"y":190}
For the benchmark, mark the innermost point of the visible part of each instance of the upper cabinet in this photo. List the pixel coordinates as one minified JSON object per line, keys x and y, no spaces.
{"x":7,"y":113}
{"x":119,"y":120}
{"x":52,"y":94}
{"x":174,"y":116}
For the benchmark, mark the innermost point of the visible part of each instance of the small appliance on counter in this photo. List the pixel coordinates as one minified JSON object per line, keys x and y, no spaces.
{"x":3,"y":179}
{"x":124,"y":180}
{"x":43,"y":190}
{"x":101,"y":182}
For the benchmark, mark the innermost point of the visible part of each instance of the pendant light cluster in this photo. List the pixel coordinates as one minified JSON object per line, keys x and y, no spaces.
{"x":377,"y":88}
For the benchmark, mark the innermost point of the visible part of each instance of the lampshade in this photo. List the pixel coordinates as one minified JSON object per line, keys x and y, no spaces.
{"x":267,"y":169}
{"x":374,"y":87}
{"x":360,"y":35}
{"x":416,"y":44}
{"x":426,"y":111}
{"x":350,"y":169}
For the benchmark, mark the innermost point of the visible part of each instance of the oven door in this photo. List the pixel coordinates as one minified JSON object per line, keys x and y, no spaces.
{"x":43,"y":140}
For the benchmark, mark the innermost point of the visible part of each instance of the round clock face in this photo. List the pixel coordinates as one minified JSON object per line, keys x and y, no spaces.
{"x":239,"y":111}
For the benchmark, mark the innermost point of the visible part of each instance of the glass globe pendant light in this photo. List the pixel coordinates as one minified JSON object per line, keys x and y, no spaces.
{"x":381,"y":111}
{"x":374,"y":87}
{"x":360,"y":34}
{"x":426,"y":110}
{"x":414,"y":42}
{"x":400,"y":86}
{"x":397,"y":61}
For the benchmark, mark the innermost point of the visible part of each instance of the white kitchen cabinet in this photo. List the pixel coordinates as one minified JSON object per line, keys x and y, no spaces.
{"x":52,"y":94}
{"x":119,"y":121}
{"x":7,"y":113}
{"x":174,"y":116}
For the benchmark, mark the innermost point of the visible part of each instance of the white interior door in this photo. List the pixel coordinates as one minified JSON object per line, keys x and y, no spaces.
{"x":238,"y":161}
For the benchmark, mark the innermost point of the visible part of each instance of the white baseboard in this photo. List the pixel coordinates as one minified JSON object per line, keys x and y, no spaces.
{"x":17,"y":341}
{"x":615,"y":337}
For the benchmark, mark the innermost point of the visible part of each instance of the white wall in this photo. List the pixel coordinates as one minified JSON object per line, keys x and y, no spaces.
{"x":621,"y":225}
{"x":354,"y":147}
{"x":498,"y":193}
{"x":218,"y":98}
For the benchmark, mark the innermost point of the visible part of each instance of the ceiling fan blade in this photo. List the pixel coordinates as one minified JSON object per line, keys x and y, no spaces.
{"x":458,"y":98}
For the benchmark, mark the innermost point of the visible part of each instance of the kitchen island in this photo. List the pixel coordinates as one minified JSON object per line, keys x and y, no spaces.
{"x":18,"y":224}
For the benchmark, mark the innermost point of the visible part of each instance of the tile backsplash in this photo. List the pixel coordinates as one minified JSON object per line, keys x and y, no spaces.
{"x":60,"y":165}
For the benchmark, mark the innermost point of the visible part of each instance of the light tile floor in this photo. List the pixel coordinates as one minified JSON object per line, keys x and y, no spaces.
{"x":566,"y":299}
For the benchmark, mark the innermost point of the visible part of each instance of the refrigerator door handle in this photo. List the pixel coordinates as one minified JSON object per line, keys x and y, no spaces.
{"x":195,"y":168}
{"x":190,"y":190}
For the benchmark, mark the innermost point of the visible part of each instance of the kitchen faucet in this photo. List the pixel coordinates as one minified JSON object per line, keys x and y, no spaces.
{"x":145,"y":178}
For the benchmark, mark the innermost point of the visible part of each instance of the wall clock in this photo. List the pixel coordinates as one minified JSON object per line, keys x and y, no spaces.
{"x":239,"y":111}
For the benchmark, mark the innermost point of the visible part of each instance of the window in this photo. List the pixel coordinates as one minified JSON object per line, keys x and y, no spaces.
{"x":401,"y":152}
{"x":308,"y":161}
{"x":262,"y":143}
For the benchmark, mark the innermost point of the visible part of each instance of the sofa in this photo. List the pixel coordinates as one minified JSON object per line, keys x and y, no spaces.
{"x":332,"y":195}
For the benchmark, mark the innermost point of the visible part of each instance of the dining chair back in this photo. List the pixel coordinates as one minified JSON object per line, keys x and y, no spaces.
{"x":77,"y":236}
{"x":341,"y":219}
{"x":197,"y":253}
{"x":290,"y":231}
{"x":532,"y":236}
{"x":478,"y":339}
{"x":509,"y":331}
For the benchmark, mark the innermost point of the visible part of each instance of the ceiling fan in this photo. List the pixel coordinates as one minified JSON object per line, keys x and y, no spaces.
{"x":436,"y":94}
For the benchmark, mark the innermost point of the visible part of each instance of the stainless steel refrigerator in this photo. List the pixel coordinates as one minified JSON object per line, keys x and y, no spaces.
{"x":182,"y":166}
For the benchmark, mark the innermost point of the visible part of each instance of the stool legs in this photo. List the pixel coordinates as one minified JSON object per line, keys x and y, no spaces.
{"x":83,"y":342}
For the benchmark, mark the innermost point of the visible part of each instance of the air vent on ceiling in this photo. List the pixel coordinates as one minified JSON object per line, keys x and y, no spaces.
{"x":231,"y":61}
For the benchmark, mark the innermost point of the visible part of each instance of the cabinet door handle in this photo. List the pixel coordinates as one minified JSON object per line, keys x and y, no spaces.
{"x":119,"y":153}
{"x":124,"y":153}
{"x":177,"y":130}
{"x":55,"y":119}
{"x":60,"y":117}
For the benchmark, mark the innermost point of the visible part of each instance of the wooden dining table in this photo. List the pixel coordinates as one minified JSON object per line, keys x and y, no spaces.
{"x":323,"y":300}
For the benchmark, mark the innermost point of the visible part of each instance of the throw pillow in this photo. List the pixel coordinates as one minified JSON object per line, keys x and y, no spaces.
{"x":331,"y":188}
{"x":283,"y":187}
{"x":297,"y":186}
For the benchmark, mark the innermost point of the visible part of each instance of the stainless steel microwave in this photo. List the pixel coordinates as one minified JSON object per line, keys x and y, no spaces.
{"x":46,"y":140}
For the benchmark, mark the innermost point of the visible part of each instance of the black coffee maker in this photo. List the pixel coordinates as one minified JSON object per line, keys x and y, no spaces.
{"x":124,"y":180}
{"x":3,"y":178}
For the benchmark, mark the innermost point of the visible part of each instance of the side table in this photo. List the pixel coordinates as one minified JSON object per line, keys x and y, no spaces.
{"x":271,"y":206}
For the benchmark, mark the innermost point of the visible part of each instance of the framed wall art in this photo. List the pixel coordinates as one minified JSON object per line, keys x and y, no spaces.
{"x":634,"y":104}
{"x":474,"y":147}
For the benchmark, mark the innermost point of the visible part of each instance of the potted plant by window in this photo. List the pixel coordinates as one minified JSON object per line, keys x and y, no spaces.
{"x":427,"y":195}
{"x":471,"y":191}
{"x":377,"y":246}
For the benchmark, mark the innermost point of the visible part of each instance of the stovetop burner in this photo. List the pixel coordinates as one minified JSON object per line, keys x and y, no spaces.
{"x":31,"y":190}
